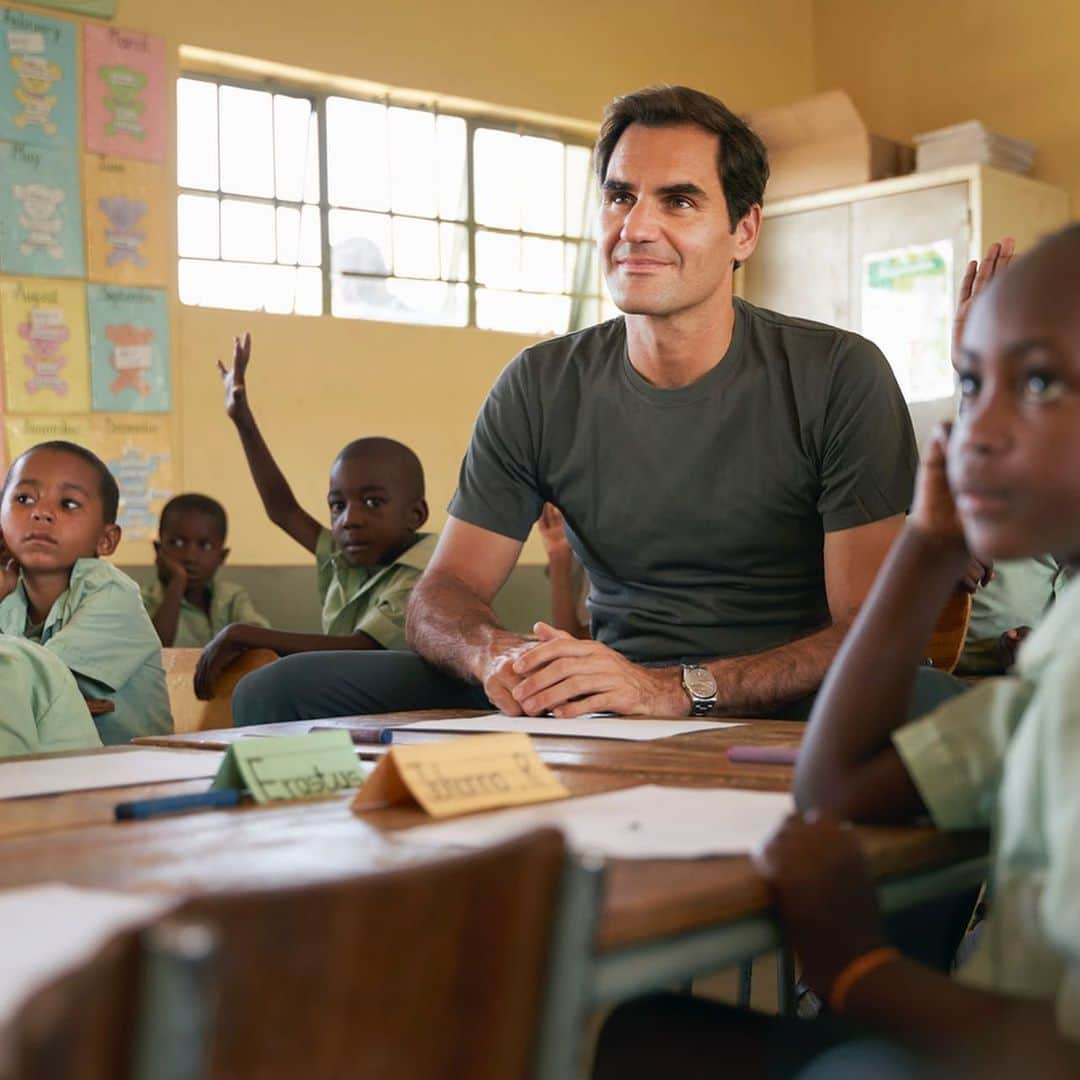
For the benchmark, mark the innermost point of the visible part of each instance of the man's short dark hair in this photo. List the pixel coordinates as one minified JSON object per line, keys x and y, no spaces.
{"x":110,"y":492}
{"x":741,"y":160}
{"x":193,"y":503}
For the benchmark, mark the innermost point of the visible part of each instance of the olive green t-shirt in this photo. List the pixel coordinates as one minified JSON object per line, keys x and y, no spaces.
{"x":699,"y":513}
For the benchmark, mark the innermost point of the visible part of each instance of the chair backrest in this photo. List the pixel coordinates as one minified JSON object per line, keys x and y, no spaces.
{"x":188,"y":712}
{"x":947,"y":640}
{"x":472,"y":967}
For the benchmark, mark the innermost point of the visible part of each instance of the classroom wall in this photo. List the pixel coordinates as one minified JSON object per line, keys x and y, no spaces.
{"x":918,"y":65}
{"x":316,"y":383}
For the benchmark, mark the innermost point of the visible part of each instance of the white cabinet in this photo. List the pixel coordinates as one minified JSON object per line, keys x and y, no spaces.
{"x":817,"y":253}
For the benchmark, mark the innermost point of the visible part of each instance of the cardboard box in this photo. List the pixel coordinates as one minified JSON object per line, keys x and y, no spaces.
{"x":820,"y":143}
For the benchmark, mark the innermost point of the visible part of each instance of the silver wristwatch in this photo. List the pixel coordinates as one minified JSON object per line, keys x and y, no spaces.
{"x":700,"y":684}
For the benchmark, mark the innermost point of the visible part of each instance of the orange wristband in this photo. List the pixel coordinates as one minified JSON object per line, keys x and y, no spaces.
{"x":857,"y":970}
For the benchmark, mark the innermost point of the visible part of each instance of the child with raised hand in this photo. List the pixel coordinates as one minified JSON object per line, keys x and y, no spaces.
{"x":566,"y":575}
{"x":189,"y":602}
{"x":58,"y":517}
{"x":367,"y":561}
{"x":1005,"y":756}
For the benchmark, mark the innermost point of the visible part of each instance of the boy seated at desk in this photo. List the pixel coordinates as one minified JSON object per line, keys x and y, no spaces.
{"x":190,"y":603}
{"x":367,"y":561}
{"x":1005,"y":756}
{"x":58,"y":518}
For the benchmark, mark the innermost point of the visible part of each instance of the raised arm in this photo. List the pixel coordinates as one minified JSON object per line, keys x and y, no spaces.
{"x":277,"y":497}
{"x":847,"y":764}
{"x":450,"y":621}
{"x":561,"y":577}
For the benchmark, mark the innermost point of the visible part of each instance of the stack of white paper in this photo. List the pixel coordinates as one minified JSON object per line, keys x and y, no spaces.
{"x":972,"y":142}
{"x":646,"y":822}
{"x":46,"y":930}
{"x":592,"y":726}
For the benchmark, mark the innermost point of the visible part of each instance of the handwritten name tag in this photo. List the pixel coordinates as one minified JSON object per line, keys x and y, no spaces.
{"x":289,"y":767}
{"x":479,"y":772}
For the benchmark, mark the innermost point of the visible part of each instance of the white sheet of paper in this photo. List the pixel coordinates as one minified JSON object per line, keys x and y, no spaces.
{"x":587,"y":727}
{"x":47,"y":929}
{"x":646,"y":822}
{"x":83,"y":772}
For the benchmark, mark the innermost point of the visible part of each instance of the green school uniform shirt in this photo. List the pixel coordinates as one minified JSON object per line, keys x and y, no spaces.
{"x":229,"y":603}
{"x":100,"y":630}
{"x":41,"y":708}
{"x":1007,"y":755}
{"x":371,"y":599}
{"x":1019,"y":595}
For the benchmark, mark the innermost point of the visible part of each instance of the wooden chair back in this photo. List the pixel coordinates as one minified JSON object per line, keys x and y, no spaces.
{"x":188,"y":712}
{"x":947,"y":640}
{"x":470,"y":967}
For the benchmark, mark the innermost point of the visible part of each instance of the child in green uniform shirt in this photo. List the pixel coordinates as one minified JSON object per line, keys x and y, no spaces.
{"x":367,"y":561}
{"x":1005,"y":756}
{"x":189,"y":603}
{"x":41,"y":708}
{"x":58,"y":518}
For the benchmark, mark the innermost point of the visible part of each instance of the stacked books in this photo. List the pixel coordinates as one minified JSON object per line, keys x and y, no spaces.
{"x":962,"y":144}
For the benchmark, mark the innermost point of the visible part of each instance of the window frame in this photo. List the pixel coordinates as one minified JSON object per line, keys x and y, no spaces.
{"x":474,"y":122}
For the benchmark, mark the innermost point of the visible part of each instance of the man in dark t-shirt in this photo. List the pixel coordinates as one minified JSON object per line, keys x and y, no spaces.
{"x":731,"y":478}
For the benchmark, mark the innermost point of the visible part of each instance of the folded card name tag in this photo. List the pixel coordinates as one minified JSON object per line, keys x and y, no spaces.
{"x":288,"y":767}
{"x":460,"y":776}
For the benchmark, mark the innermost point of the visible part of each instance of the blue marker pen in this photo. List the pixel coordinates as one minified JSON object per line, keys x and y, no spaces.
{"x":174,"y":804}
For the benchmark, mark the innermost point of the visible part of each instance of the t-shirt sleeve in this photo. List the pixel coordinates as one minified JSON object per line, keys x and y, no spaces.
{"x":498,"y":488}
{"x":243,"y":610}
{"x":868,"y":452}
{"x":384,"y":619}
{"x":955,"y":755}
{"x":108,"y":636}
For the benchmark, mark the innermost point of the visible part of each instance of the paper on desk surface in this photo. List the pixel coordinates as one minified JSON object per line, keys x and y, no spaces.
{"x":588,"y":727}
{"x":47,"y":929}
{"x":83,"y":772}
{"x":646,"y":822}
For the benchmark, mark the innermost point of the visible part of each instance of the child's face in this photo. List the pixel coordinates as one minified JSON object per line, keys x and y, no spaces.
{"x":194,"y":540}
{"x":372,"y":517}
{"x":1014,"y":455}
{"x":53,"y":512}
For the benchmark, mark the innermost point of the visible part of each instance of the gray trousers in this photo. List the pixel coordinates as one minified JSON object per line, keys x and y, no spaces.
{"x":312,"y":686}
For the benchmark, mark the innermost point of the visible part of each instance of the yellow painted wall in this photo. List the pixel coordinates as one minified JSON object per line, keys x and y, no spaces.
{"x":316,"y":383}
{"x":916,"y":65}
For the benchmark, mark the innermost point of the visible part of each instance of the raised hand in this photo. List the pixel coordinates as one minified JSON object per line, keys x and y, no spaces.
{"x":977,"y":276}
{"x":552,"y":532}
{"x":933,"y":510}
{"x":234,"y":379}
{"x":9,"y":575}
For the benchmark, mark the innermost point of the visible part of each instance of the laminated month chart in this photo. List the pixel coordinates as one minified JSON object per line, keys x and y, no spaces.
{"x":85,"y":249}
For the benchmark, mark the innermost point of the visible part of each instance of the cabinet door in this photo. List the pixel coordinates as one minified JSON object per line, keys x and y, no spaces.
{"x":919,"y":333}
{"x":800,"y":266}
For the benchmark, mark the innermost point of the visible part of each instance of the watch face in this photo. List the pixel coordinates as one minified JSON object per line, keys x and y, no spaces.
{"x":699,"y":681}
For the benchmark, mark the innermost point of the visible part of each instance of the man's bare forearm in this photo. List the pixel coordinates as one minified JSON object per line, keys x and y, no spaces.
{"x":453,"y":628}
{"x":762,"y":684}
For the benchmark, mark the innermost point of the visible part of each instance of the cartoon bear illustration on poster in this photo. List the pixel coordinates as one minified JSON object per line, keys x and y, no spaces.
{"x":45,"y":333}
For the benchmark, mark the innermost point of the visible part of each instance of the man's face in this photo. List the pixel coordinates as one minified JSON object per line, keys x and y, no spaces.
{"x":1014,"y":455}
{"x":194,"y":540}
{"x":53,"y":513}
{"x":665,"y":235}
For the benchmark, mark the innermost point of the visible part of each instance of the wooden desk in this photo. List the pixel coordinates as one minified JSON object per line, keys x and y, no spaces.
{"x":662,"y":920}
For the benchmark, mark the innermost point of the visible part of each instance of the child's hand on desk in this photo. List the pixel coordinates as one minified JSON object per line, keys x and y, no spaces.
{"x":227,"y":645}
{"x":1008,"y":645}
{"x":234,"y":380}
{"x":823,"y":895}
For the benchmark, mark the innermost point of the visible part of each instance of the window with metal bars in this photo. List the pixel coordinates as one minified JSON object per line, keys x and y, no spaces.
{"x":308,"y":203}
